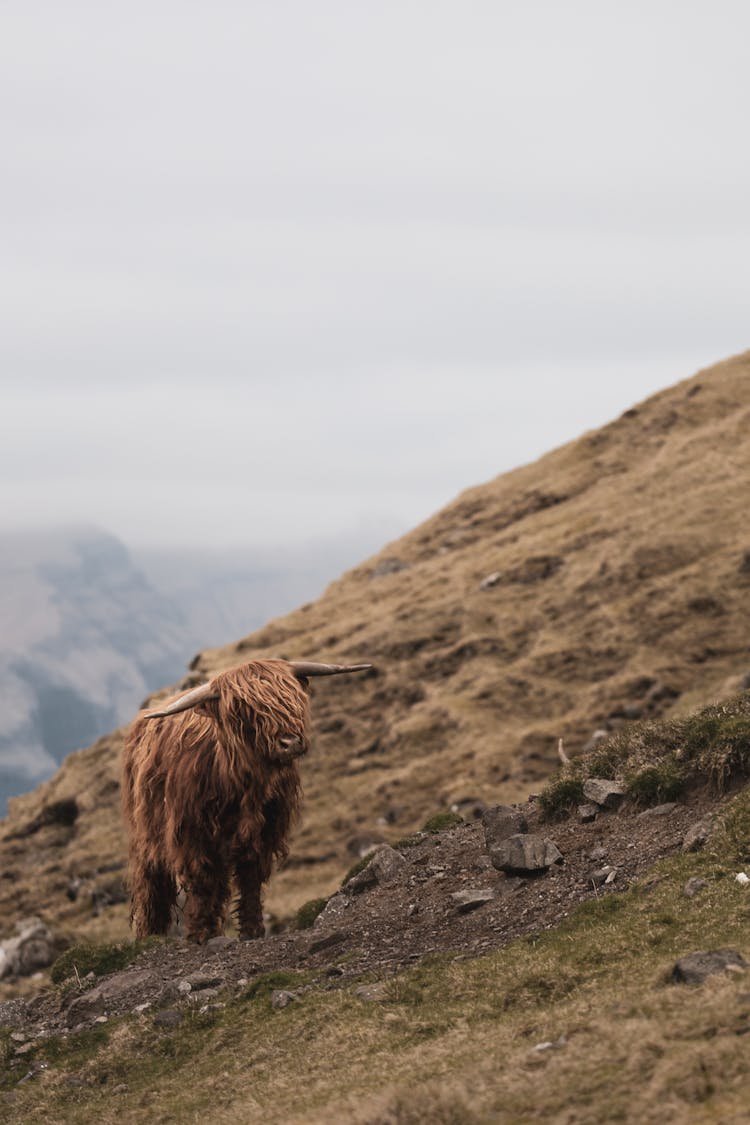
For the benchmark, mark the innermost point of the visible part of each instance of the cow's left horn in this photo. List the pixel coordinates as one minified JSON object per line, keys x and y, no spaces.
{"x":184,"y":702}
{"x":303,"y":668}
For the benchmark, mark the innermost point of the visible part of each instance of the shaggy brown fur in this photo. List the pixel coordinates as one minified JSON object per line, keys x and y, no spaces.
{"x":210,"y":792}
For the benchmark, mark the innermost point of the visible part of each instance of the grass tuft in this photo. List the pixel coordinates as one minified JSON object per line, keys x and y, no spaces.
{"x":658,"y":761}
{"x":442,"y":820}
{"x":308,"y":912}
{"x":99,"y":959}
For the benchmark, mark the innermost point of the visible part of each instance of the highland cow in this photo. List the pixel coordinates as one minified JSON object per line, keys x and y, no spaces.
{"x":211,"y":789}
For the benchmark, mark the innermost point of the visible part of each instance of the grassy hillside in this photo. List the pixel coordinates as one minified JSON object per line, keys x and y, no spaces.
{"x":606,"y":582}
{"x":577,"y":1020}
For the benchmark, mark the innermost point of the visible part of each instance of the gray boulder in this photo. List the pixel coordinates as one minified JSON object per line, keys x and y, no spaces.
{"x":604,"y":792}
{"x":697,"y":967}
{"x":525,"y":854}
{"x":385,"y":865}
{"x":31,"y":950}
{"x":466,"y":901}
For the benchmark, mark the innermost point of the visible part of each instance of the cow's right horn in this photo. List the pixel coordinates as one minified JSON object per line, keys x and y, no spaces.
{"x":184,"y":702}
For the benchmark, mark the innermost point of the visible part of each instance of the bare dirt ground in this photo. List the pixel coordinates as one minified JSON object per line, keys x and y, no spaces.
{"x":372,"y":933}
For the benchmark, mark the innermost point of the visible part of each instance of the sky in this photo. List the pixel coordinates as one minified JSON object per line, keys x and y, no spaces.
{"x":278,"y":270}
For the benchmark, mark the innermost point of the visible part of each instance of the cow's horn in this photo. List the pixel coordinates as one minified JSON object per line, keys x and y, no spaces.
{"x":304,"y":668}
{"x":184,"y":702}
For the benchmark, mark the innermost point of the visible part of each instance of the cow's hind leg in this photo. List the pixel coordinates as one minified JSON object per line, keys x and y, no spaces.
{"x":250,"y":876}
{"x":153,"y":894}
{"x":207,"y":887}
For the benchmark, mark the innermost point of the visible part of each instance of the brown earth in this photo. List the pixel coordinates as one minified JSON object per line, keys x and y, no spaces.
{"x":606,"y":581}
{"x":378,"y":930}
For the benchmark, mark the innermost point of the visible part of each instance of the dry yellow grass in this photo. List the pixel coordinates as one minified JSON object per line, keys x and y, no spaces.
{"x":621,"y":560}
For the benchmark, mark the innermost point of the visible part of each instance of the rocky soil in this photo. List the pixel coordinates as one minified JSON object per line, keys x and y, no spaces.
{"x":435,"y":893}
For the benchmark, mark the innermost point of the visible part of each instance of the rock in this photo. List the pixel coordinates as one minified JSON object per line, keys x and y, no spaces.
{"x":203,"y":997}
{"x":202,"y":980}
{"x":216,"y":944}
{"x":170,"y":1017}
{"x":327,"y":940}
{"x":490,"y":581}
{"x":604,"y":875}
{"x":658,"y":810}
{"x":697,"y":967}
{"x":466,"y":901}
{"x":525,"y":854}
{"x":372,"y":992}
{"x":333,"y":912}
{"x":500,"y":822}
{"x":692,"y":887}
{"x":32,"y":949}
{"x":603,"y":792}
{"x":281,"y":999}
{"x":384,"y":866}
{"x":742,"y":878}
{"x":587,"y":813}
{"x":698,"y":835}
{"x":110,"y":993}
{"x":598,"y":852}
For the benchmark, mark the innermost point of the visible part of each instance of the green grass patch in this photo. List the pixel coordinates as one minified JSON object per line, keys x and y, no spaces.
{"x":262,"y":987}
{"x":99,"y":959}
{"x":308,"y":912}
{"x":442,"y":820}
{"x":659,"y":761}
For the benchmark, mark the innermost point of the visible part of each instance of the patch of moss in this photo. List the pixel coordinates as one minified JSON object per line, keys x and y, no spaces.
{"x":658,"y":761}
{"x":563,"y":793}
{"x":307,"y":913}
{"x":442,"y":820}
{"x":99,"y":959}
{"x":262,"y":987}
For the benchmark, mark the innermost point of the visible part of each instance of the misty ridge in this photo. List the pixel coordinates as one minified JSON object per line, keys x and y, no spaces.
{"x":88,"y":628}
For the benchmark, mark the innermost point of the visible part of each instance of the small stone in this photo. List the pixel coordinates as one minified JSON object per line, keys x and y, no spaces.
{"x":184,"y":987}
{"x":325,"y":942}
{"x":215,"y":944}
{"x":373,"y":993}
{"x":697,"y":967}
{"x":658,"y":810}
{"x":200,"y":981}
{"x":25,"y":1049}
{"x":598,"y":852}
{"x":466,"y":901}
{"x":603,"y":876}
{"x":697,"y":835}
{"x":334,"y":971}
{"x":121,"y":1088}
{"x":385,"y":865}
{"x":139,"y":1009}
{"x":17,"y":1037}
{"x":102,"y":1019}
{"x":741,"y":878}
{"x":603,"y":792}
{"x":587,"y":813}
{"x":281,"y":999}
{"x":694,"y":885}
{"x":203,"y":996}
{"x":170,"y":1017}
{"x":525,"y":854}
{"x":490,"y":581}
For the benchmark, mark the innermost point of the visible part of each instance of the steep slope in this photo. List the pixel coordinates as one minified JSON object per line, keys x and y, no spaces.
{"x":606,"y":581}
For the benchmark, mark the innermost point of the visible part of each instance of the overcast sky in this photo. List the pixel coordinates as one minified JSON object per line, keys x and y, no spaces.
{"x":276,"y":269}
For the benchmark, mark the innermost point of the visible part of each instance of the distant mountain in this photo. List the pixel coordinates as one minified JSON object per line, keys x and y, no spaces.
{"x":83,"y":638}
{"x":89,"y":628}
